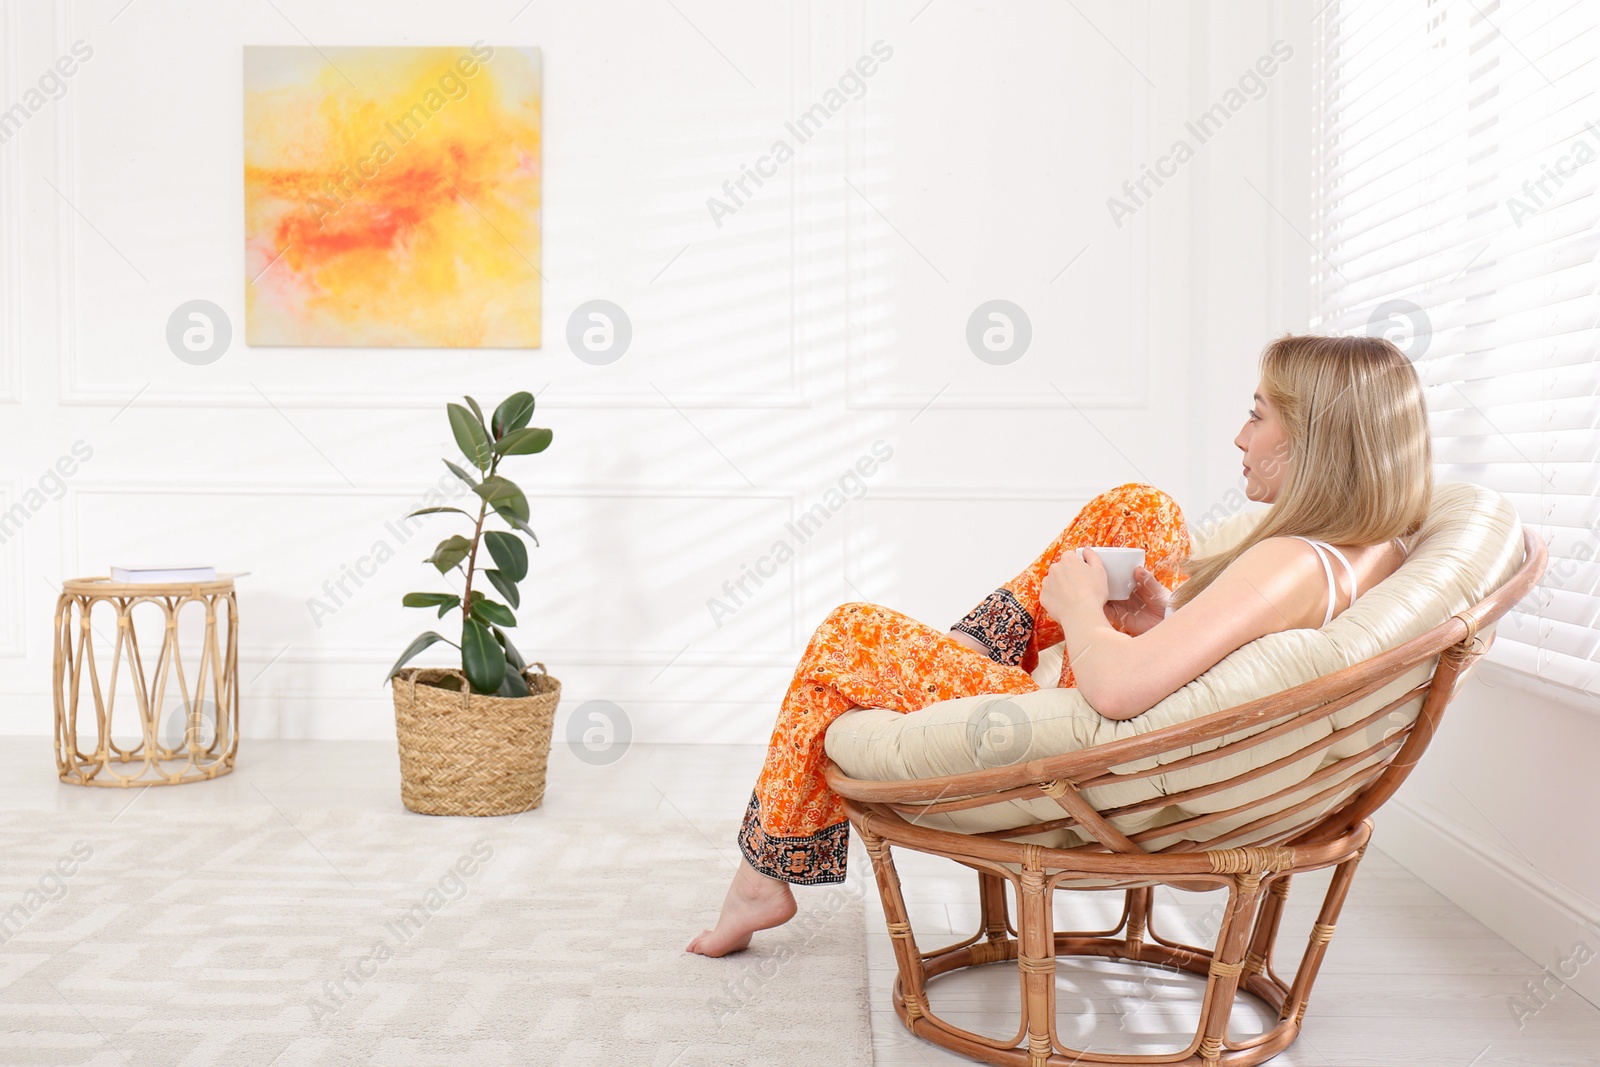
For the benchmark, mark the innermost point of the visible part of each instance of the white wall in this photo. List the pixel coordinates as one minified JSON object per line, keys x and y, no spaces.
{"x":770,"y":353}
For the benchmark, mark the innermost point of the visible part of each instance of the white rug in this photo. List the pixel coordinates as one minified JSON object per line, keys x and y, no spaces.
{"x":251,"y":936}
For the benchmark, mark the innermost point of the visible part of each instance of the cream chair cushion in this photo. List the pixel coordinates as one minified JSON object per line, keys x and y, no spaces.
{"x":1470,"y":544}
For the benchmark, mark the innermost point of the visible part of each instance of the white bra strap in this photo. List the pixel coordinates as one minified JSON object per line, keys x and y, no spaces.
{"x":1327,"y":569}
{"x":1354,"y":591}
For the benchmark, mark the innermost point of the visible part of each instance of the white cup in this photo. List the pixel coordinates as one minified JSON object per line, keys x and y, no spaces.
{"x":1120,"y":564}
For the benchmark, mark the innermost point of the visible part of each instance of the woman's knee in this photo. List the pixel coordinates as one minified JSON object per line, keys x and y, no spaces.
{"x":842,"y":616}
{"x":1132,"y":513}
{"x":860,"y":612}
{"x":847,"y":612}
{"x":1137,"y":497}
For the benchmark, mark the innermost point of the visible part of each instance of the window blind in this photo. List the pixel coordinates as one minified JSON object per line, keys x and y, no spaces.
{"x":1456,"y":171}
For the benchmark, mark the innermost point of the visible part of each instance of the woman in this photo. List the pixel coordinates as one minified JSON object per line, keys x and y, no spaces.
{"x":1336,"y":441}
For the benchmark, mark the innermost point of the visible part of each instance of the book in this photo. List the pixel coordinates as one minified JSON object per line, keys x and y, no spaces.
{"x":163,"y":574}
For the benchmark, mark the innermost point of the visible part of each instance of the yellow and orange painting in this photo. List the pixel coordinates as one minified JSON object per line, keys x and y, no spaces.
{"x":392,"y":195}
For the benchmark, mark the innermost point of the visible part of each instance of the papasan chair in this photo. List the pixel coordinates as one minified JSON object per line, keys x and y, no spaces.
{"x":1270,"y":764}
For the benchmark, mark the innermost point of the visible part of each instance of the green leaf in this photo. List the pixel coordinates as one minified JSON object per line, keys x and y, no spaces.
{"x":451,"y":551}
{"x":492,"y":612}
{"x":443,"y":601}
{"x":426,"y":640}
{"x":518,"y":524}
{"x":463,"y":475}
{"x":509,"y":553}
{"x":470,"y":436}
{"x":512,"y":655}
{"x":507,"y":587}
{"x":440,"y":511}
{"x":514,"y":685}
{"x":523,"y":442}
{"x":482,"y":658}
{"x":476,"y":410}
{"x":503,"y":495}
{"x":512,"y":414}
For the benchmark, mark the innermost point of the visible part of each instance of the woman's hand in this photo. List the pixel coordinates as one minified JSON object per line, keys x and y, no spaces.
{"x":1146,"y":607}
{"x":1071,"y":580}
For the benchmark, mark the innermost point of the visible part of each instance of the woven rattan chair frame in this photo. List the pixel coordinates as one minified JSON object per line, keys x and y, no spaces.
{"x":1254,"y":861}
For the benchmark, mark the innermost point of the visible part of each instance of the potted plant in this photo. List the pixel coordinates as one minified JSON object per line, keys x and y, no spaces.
{"x":476,"y":741}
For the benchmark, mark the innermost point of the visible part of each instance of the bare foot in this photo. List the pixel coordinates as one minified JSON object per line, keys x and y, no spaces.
{"x":754,"y":902}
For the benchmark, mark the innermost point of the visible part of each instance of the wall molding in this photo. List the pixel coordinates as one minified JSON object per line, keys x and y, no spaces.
{"x":952,"y":494}
{"x":384,"y":655}
{"x":10,"y":218}
{"x":74,"y":393}
{"x":1135,"y":395}
{"x":409,"y":494}
{"x":65,"y":222}
{"x":74,"y":397}
{"x":985,"y":493}
{"x":12,"y":616}
{"x":1540,"y":917}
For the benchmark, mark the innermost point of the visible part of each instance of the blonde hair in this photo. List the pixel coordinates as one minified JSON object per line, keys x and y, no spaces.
{"x":1359,"y":463}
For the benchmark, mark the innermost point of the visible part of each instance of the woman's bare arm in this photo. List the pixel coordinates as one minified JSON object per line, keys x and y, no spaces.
{"x":1262,"y":592}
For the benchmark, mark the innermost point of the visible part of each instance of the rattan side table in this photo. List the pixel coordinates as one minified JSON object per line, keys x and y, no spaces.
{"x":85,"y":676}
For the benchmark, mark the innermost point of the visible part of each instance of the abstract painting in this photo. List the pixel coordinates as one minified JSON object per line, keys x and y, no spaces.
{"x":392,"y":195}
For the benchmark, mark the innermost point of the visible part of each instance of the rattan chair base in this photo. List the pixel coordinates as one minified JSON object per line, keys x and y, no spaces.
{"x":1237,"y":966}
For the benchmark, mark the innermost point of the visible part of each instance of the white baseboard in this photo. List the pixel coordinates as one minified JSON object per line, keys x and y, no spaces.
{"x":1554,"y":926}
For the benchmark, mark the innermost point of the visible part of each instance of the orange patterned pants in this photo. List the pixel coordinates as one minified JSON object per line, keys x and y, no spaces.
{"x":865,"y":655}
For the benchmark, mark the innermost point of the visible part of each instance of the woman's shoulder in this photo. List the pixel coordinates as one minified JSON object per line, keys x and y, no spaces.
{"x":1279,"y":549}
{"x":1287,"y":555}
{"x":1285,"y":570}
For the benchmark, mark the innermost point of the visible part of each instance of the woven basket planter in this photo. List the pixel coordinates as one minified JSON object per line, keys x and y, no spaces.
{"x":466,"y":754}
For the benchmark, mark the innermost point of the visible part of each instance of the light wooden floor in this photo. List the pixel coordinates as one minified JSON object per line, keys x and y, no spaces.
{"x":1410,"y":978}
